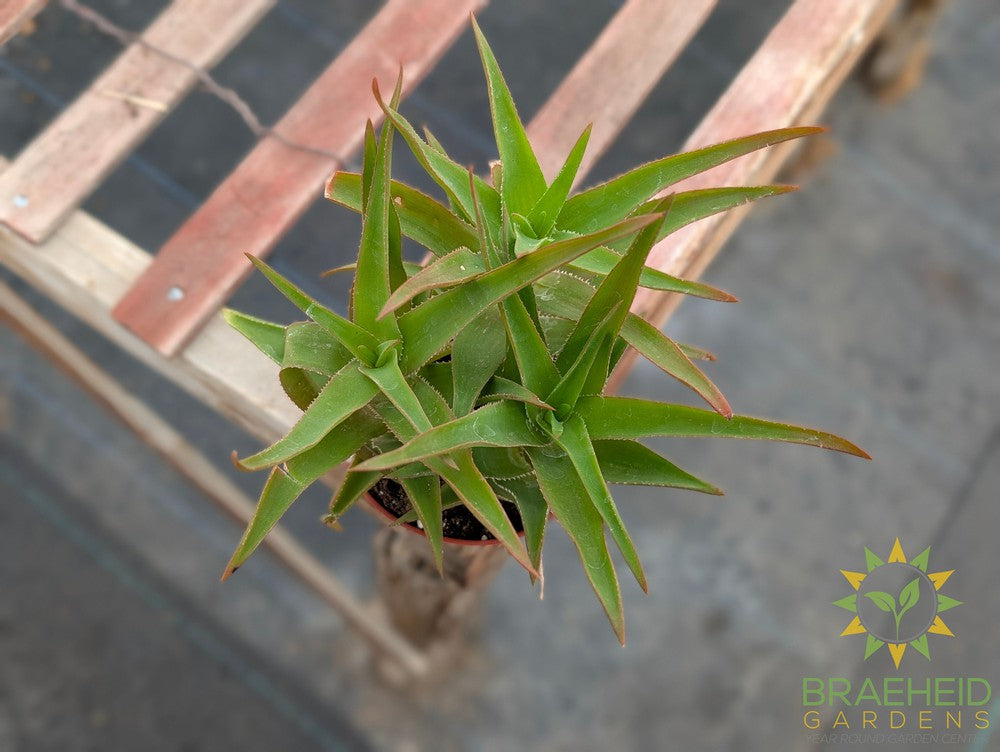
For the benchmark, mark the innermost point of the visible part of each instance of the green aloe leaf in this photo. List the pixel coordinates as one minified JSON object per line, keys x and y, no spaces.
{"x":347,"y":391}
{"x":361,"y":344}
{"x":576,"y":443}
{"x":602,"y":261}
{"x":337,"y":446}
{"x":667,"y":355}
{"x":694,"y":352}
{"x":266,"y":336}
{"x":301,"y":386}
{"x":279,"y":493}
{"x":372,"y":284}
{"x":468,"y":484}
{"x":538,"y":372}
{"x":567,"y":392}
{"x":422,"y":218}
{"x":458,"y":266}
{"x":368,"y":162}
{"x":480,"y":499}
{"x":390,"y":380}
{"x":501,"y":463}
{"x":405,"y":417}
{"x":476,"y":354}
{"x":568,"y":499}
{"x":355,"y":485}
{"x":501,"y":424}
{"x":425,"y":496}
{"x":631,"y":418}
{"x":542,"y":216}
{"x":499,"y":388}
{"x":439,"y":376}
{"x":690,"y":206}
{"x":433,"y":141}
{"x":608,"y":306}
{"x":451,"y":176}
{"x":633,"y":464}
{"x":610,"y":201}
{"x":523,"y":182}
{"x":565,"y":295}
{"x":422,"y":333}
{"x":311,"y":347}
{"x":490,"y":254}
{"x":534,"y":513}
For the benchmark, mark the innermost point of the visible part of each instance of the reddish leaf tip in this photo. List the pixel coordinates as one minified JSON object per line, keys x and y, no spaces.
{"x":235,"y":459}
{"x":332,"y":522}
{"x":230,"y":570}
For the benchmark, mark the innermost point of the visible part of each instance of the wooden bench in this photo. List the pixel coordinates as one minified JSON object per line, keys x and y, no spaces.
{"x":163,"y":307}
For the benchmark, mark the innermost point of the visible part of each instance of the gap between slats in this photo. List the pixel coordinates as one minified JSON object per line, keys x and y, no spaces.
{"x":119,"y":109}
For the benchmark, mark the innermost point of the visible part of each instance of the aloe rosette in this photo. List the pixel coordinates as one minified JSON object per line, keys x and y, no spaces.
{"x":481,"y":374}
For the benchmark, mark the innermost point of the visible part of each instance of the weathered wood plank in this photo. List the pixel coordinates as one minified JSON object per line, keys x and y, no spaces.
{"x":200,"y":266}
{"x":788,"y":81}
{"x":91,"y":136}
{"x":14,"y":14}
{"x":613,"y":78}
{"x":86,"y":266}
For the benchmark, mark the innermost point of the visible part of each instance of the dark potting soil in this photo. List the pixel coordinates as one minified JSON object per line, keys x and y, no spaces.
{"x":458,"y":521}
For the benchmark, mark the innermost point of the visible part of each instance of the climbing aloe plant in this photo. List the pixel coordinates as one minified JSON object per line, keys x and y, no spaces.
{"x":481,"y":374}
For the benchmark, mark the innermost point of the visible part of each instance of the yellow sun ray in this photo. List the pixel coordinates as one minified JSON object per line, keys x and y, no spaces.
{"x":855,"y":578}
{"x":940,"y":578}
{"x":897,"y":652}
{"x":855,"y":627}
{"x":897,"y":555}
{"x":939,"y":627}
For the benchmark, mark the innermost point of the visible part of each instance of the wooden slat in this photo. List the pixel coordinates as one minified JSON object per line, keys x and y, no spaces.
{"x":200,"y":266}
{"x":787,"y":82}
{"x":613,"y":78}
{"x":14,"y":14}
{"x":85,"y":267}
{"x":166,"y":441}
{"x":94,"y":134}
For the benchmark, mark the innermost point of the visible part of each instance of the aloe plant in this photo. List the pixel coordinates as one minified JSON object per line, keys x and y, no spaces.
{"x":480,"y":375}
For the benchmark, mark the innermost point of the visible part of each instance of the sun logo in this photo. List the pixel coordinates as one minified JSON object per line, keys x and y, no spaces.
{"x":897,"y":603}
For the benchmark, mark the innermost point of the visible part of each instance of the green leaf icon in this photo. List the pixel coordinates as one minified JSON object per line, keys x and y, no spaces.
{"x":909,"y":596}
{"x":883,"y":600}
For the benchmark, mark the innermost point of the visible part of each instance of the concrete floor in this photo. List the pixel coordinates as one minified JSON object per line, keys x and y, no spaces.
{"x":870,"y":308}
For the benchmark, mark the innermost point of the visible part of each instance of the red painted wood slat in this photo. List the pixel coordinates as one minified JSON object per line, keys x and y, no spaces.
{"x":118,"y":110}
{"x":787,"y":82}
{"x":613,"y":78}
{"x":200,"y":266}
{"x":14,"y":14}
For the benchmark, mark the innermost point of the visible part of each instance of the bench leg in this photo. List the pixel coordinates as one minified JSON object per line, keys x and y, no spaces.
{"x":895,"y":66}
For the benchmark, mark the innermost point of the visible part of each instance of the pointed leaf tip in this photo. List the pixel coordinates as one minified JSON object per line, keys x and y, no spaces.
{"x":235,"y":459}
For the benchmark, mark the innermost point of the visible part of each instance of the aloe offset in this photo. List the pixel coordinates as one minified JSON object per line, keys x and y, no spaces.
{"x":481,"y":374}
